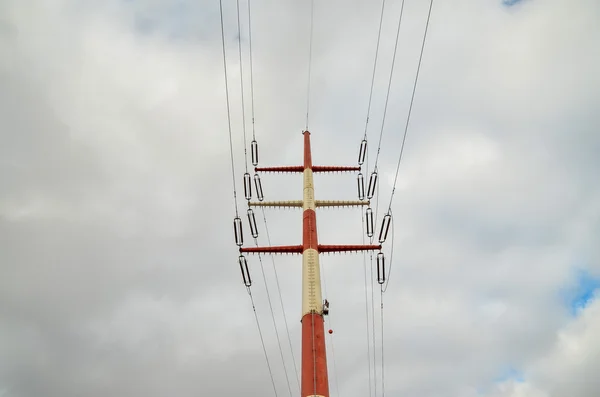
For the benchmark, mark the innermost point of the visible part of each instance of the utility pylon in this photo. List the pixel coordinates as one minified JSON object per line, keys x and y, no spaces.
{"x":314,"y":362}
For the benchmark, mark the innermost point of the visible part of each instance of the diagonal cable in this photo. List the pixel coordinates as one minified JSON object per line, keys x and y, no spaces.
{"x":262,"y":269}
{"x":312,"y":14}
{"x":281,"y":299}
{"x":262,"y":341}
{"x":374,"y":67}
{"x":412,"y":99}
{"x":228,"y":109}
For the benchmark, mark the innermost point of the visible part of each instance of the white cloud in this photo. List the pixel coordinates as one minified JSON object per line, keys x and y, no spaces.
{"x":117,"y":263}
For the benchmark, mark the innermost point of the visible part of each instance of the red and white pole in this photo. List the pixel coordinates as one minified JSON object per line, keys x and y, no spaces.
{"x":314,"y":360}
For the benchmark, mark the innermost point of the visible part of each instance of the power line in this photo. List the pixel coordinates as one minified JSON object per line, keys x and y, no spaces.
{"x":374,"y":67}
{"x":335,"y":374}
{"x":242,"y":84}
{"x":246,"y":166}
{"x":373,"y":373}
{"x":373,"y":325}
{"x":382,"y":347}
{"x":312,"y":12}
{"x":384,"y":288}
{"x":337,"y":386}
{"x":367,"y":309}
{"x":233,"y":178}
{"x":387,"y":97}
{"x":228,"y":109}
{"x":273,"y":317}
{"x":281,"y":299}
{"x":251,"y":68}
{"x":412,"y":99}
{"x":262,"y":341}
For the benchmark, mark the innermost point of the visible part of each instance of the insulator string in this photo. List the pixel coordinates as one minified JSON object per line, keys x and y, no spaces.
{"x":385,"y":286}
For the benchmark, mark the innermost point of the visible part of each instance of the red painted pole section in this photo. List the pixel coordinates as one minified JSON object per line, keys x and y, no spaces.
{"x":282,"y":249}
{"x":314,"y":366}
{"x":309,"y":230}
{"x":333,"y":168}
{"x":307,"y":154}
{"x":314,"y":360}
{"x":290,"y":168}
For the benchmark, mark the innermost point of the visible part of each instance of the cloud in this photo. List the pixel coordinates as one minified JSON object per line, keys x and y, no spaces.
{"x":118,"y":271}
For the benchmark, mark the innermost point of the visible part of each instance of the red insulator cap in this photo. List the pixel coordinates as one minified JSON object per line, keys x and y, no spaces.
{"x":331,"y":331}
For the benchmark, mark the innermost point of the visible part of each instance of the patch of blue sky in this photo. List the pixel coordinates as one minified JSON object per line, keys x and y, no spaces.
{"x":177,"y":19}
{"x":510,"y":374}
{"x":583,"y":292}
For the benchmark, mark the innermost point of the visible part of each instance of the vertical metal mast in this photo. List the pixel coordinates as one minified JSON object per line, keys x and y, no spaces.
{"x":314,"y":361}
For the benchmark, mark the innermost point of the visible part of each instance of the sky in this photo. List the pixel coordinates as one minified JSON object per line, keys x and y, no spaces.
{"x":118,"y":268}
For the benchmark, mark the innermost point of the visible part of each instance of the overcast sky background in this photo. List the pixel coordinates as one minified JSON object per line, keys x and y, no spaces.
{"x":118,"y":273}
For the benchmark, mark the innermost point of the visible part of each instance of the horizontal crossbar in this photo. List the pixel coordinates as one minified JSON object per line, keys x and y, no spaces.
{"x":291,"y":168}
{"x":347,"y":248}
{"x":340,"y":203}
{"x":334,"y":168}
{"x":318,"y":203}
{"x":294,"y":203}
{"x":297,"y":249}
{"x":315,"y":168}
{"x":282,"y":249}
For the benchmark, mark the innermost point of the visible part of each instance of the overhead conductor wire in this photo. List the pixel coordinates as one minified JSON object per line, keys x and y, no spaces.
{"x":405,"y":134}
{"x":374,"y":67}
{"x":362,"y":218}
{"x":312,"y":13}
{"x":335,"y":374}
{"x":412,"y":99}
{"x":373,"y":309}
{"x":251,"y":68}
{"x":273,"y":317}
{"x":384,"y":288}
{"x":264,"y":216}
{"x":367,"y":308}
{"x":377,"y":187}
{"x":228,"y":111}
{"x":387,"y":97}
{"x":262,"y":340}
{"x":246,"y":164}
{"x":281,"y":301}
{"x":235,"y":190}
{"x":242,"y":83}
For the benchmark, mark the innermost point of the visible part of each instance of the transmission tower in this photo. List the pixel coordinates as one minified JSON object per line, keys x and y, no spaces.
{"x":314,"y":362}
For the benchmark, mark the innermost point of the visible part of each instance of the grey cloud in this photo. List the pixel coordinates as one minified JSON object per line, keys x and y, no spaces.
{"x":117,"y":259}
